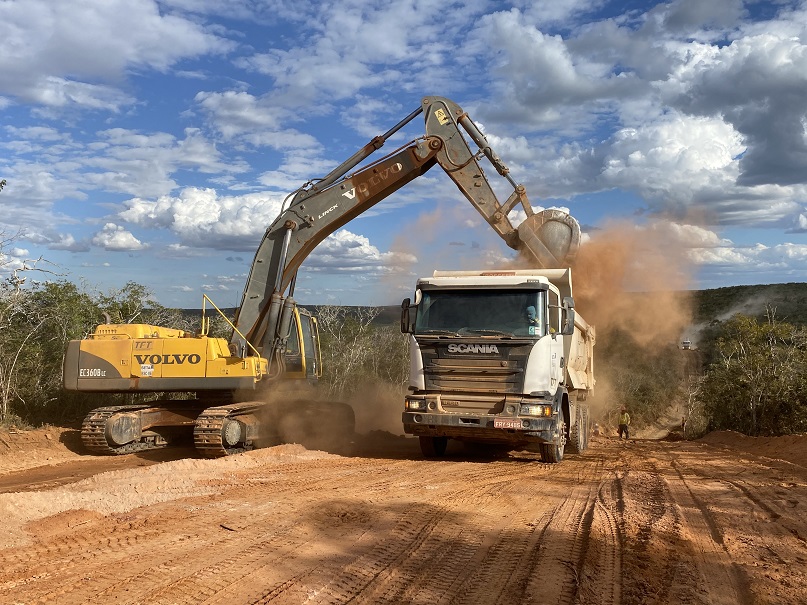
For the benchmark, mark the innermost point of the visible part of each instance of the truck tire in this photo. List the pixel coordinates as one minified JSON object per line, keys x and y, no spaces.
{"x":576,"y":438}
{"x":551,"y":453}
{"x":586,"y":427}
{"x":578,"y":435}
{"x":433,"y":447}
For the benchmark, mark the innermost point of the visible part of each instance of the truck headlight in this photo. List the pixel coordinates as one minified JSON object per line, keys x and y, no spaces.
{"x":416,"y":405}
{"x":535,"y":409}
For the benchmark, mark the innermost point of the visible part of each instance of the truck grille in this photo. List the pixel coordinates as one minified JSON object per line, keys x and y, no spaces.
{"x":503,"y":373}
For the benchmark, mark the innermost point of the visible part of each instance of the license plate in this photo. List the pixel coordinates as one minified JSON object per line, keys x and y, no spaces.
{"x":507,"y":423}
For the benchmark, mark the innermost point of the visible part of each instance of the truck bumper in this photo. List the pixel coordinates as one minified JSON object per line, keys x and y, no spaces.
{"x":480,"y":428}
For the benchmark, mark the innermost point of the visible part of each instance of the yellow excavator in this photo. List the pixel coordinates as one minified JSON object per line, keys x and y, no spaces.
{"x":248,"y":388}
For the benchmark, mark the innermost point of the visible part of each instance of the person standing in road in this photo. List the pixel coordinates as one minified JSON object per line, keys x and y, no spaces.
{"x":624,"y":422}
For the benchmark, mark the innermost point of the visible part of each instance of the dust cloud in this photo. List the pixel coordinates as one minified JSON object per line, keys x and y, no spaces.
{"x":378,"y":407}
{"x":309,"y":416}
{"x":636,"y":279}
{"x":304,"y":414}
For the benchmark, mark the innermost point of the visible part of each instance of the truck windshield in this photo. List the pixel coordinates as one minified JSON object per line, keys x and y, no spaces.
{"x":481,"y":312}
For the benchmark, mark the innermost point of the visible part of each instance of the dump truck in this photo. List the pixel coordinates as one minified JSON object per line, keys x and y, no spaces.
{"x":243,"y":389}
{"x":498,"y":357}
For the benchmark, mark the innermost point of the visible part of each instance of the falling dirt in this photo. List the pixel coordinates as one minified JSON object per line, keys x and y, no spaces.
{"x":717,"y":521}
{"x":622,"y":260}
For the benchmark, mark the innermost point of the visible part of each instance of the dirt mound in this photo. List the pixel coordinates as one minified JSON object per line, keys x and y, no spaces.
{"x":24,"y":449}
{"x":792,"y":448}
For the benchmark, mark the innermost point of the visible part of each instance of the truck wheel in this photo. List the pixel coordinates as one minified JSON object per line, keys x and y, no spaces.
{"x":586,"y":427}
{"x":553,"y":452}
{"x":433,"y":447}
{"x":577,"y":434}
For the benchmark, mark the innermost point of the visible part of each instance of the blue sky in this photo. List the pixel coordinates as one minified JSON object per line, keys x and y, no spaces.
{"x":154,"y":141}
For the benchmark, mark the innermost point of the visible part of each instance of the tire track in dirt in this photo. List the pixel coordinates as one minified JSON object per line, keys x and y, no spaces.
{"x":157,"y":560}
{"x":493,"y":568}
{"x":381,"y":573}
{"x":140,"y":553}
{"x":599,"y":573}
{"x":652,"y":527}
{"x":723,"y":582}
{"x":555,"y":575}
{"x":770,"y":502}
{"x":628,"y":524}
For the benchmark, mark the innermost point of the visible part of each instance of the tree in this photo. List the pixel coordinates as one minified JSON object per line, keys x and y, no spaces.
{"x":38,"y":323}
{"x":758,"y":385}
{"x":644,"y":378}
{"x":37,"y":320}
{"x":356,"y":352}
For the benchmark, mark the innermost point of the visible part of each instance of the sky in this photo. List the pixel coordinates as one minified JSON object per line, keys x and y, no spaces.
{"x":154,"y":141}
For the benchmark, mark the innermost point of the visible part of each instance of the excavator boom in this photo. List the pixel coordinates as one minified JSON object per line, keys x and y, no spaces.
{"x":550,"y":238}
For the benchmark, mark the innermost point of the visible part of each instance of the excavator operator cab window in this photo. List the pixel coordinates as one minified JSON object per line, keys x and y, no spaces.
{"x":293,"y":344}
{"x":293,"y":356}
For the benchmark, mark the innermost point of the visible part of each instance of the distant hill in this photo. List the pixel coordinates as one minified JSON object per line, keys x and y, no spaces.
{"x":789,"y":301}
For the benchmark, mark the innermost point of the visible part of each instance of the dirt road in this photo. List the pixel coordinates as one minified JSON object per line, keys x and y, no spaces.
{"x":645,"y":522}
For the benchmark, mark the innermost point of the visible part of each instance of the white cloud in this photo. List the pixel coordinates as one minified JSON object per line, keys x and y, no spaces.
{"x":757,"y":83}
{"x":203,"y":219}
{"x":117,"y":239}
{"x":257,"y":121}
{"x":118,"y":160}
{"x":689,"y":236}
{"x":548,"y":12}
{"x":352,"y":47}
{"x":685,"y":109}
{"x":799,"y":223}
{"x":345,"y":251}
{"x":69,"y":243}
{"x":55,"y":53}
{"x":755,"y":258}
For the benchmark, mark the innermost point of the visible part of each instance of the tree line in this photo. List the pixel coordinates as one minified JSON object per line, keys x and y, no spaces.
{"x":749,"y":374}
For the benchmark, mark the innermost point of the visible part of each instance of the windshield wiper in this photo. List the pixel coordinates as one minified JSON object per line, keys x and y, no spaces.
{"x":491,"y":332}
{"x":437,"y":332}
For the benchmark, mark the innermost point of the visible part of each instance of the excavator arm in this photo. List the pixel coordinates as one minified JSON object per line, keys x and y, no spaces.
{"x":319,"y":209}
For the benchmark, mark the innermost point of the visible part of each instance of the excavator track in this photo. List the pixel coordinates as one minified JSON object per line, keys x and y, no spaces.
{"x":208,"y":432}
{"x":93,"y":432}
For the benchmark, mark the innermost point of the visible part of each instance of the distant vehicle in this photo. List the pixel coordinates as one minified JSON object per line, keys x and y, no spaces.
{"x":686,"y":345}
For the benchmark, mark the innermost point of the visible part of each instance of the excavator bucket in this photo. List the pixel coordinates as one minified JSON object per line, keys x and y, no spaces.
{"x":552,"y":237}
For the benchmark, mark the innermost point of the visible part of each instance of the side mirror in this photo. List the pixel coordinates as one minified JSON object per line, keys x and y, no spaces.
{"x":568,"y":302}
{"x":406,"y":322}
{"x":568,"y":311}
